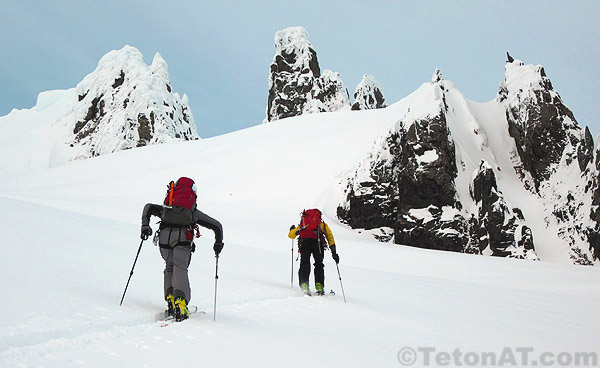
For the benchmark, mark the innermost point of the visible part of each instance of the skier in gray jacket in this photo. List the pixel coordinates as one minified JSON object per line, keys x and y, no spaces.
{"x":176,"y":244}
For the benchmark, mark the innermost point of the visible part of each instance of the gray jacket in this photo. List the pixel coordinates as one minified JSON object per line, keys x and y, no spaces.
{"x":172,"y":236}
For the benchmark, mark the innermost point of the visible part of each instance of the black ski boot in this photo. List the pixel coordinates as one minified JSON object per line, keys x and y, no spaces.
{"x":170,"y":306}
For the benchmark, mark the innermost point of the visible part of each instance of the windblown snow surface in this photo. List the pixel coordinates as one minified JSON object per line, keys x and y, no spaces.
{"x":70,"y":235}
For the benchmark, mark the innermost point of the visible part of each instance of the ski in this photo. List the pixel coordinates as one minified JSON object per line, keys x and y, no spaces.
{"x":331,"y":293}
{"x":164,"y":319}
{"x":308,"y":293}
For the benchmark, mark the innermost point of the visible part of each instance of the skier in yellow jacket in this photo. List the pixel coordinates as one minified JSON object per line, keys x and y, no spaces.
{"x":314,"y":235}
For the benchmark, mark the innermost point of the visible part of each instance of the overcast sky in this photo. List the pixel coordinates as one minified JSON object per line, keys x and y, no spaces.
{"x":219,"y":52}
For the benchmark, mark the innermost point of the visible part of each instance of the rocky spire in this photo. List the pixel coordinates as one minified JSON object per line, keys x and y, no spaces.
{"x":437,"y":76}
{"x":296,"y":85}
{"x":368,"y":94}
{"x":509,"y":58}
{"x":540,"y":123}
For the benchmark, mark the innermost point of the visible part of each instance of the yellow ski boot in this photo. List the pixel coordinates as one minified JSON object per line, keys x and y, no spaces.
{"x":181,"y":311}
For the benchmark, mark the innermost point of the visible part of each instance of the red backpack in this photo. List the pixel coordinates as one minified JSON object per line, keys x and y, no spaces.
{"x":310,"y":222}
{"x":180,"y":203}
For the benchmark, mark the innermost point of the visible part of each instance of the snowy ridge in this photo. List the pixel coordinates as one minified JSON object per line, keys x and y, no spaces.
{"x":30,"y":140}
{"x":410,"y":111}
{"x":407,"y":170}
{"x":122,"y":104}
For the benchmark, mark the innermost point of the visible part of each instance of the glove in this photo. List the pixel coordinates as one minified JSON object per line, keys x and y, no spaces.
{"x":218,"y":248}
{"x":146,"y":232}
{"x":334,"y":254}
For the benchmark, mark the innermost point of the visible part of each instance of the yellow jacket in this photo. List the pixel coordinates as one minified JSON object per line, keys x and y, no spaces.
{"x":324,"y":229}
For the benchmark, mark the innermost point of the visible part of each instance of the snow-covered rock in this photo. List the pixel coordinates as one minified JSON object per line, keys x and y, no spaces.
{"x":296,"y":85}
{"x":329,"y":94}
{"x":122,"y":104}
{"x":556,"y":155}
{"x":497,"y":229}
{"x":125,"y":103}
{"x":407,"y":182}
{"x":368,"y":94}
{"x":541,"y":125}
{"x":501,"y":178}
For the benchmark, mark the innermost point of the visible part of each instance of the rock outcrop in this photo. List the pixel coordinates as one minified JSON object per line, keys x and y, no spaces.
{"x":296,"y":84}
{"x":541,"y":125}
{"x":556,"y":156}
{"x":368,"y":94}
{"x":125,"y":103}
{"x":497,"y":229}
{"x":448,"y":176}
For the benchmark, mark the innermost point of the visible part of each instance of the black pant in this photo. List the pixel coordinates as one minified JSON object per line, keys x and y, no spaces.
{"x":308,"y":247}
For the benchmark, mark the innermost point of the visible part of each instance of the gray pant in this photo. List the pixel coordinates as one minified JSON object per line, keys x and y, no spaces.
{"x":177,"y":260}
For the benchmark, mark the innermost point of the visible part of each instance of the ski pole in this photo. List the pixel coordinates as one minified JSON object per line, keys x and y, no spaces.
{"x":341,"y":285}
{"x":216,"y":278}
{"x":292,"y":282}
{"x":131,"y":273}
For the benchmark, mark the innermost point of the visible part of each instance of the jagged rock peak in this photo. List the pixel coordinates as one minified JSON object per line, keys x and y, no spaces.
{"x":521,"y":81}
{"x":549,"y":147}
{"x":329,"y":94}
{"x":292,"y":39}
{"x":125,"y":103}
{"x":368,"y":94}
{"x":542,"y":126}
{"x":511,"y":60}
{"x":447,"y":177}
{"x":296,"y":85}
{"x":437,"y":76}
{"x":126,"y":64}
{"x":159,"y":67}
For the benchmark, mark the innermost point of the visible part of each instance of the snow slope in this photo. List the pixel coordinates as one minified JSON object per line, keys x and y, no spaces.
{"x":29,"y":141}
{"x":70,"y":235}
